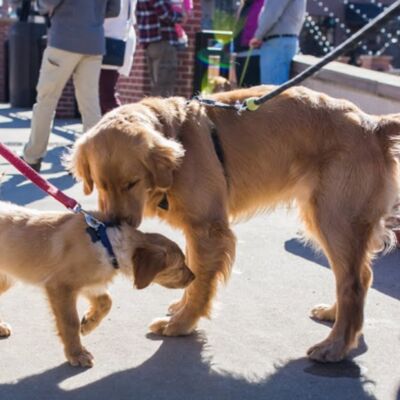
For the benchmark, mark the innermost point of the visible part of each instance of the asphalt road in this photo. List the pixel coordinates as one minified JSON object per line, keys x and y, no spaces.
{"x":253,"y":348}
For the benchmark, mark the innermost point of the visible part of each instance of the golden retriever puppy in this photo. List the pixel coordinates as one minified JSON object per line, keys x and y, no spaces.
{"x":197,"y":167}
{"x":54,"y":251}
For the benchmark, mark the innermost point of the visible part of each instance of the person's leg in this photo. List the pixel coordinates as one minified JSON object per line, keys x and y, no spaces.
{"x":86,"y":83}
{"x":108,"y":90}
{"x":57,"y":66}
{"x":153,"y":61}
{"x":275,"y":59}
{"x":167,"y":69}
{"x":163,"y":62}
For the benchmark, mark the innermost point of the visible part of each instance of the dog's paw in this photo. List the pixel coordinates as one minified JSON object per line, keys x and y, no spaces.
{"x":81,"y":359}
{"x":176,"y":306}
{"x":5,"y":330}
{"x":88,"y":324}
{"x":324,"y":312}
{"x":328,"y":351}
{"x":169,"y":327}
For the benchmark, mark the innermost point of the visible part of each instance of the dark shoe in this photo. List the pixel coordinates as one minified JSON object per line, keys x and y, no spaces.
{"x":35,"y":166}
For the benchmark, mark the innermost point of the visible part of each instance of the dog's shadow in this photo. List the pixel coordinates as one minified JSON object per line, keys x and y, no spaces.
{"x":385,"y":267}
{"x":181,"y":369}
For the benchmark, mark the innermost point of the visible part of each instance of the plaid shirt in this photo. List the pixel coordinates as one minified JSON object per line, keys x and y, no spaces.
{"x":156,"y":20}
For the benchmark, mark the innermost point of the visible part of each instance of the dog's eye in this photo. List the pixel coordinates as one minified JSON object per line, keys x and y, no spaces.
{"x":131,"y":184}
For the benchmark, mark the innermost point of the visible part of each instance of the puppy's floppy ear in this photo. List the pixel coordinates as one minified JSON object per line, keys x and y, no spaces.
{"x":164,"y":157}
{"x":77,"y":162}
{"x":147,"y":262}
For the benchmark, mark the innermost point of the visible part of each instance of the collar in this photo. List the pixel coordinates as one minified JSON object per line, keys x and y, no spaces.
{"x":99,"y":234}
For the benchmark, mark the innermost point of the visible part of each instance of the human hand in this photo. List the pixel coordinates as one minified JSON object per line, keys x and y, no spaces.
{"x":255,"y":43}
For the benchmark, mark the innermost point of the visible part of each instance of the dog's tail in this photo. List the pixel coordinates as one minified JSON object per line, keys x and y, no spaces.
{"x":388,"y":130}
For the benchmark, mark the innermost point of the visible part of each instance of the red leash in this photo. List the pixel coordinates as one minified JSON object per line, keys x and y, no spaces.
{"x":39,"y":181}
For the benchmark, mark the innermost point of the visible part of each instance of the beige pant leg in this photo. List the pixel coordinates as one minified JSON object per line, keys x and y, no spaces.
{"x":86,"y":82}
{"x":57,"y":66}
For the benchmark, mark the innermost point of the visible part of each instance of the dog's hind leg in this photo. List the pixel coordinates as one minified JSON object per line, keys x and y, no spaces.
{"x":5,"y":283}
{"x":63,"y":303}
{"x":345,"y":238}
{"x":100,"y":305}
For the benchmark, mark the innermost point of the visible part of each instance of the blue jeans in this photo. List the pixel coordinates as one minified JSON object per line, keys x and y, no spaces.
{"x":276,"y":56}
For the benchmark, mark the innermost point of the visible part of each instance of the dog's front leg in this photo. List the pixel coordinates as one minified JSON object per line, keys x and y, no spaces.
{"x":63,"y":303}
{"x":211,"y":252}
{"x":100,"y":306}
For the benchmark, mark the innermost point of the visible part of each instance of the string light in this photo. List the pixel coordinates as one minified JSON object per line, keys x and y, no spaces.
{"x":390,"y":38}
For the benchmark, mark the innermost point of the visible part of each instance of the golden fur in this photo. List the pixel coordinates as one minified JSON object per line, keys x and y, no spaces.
{"x":338,"y":163}
{"x":54,"y":251}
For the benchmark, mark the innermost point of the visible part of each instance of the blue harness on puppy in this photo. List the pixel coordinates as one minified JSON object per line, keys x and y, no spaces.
{"x":97,"y":231}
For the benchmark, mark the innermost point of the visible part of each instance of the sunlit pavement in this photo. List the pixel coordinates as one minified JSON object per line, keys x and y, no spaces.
{"x":253,"y":348}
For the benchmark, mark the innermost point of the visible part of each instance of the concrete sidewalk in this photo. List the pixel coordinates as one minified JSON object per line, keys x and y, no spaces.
{"x":253,"y":348}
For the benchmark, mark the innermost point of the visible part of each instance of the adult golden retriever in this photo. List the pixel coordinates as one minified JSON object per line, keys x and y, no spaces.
{"x":338,"y":163}
{"x":54,"y":251}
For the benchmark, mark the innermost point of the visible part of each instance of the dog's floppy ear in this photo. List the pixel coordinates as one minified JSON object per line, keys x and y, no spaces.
{"x":147,"y":262}
{"x":77,"y":162}
{"x":164,"y":157}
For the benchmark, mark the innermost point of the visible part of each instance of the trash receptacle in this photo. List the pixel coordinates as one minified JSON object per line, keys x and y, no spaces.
{"x":25,"y":55}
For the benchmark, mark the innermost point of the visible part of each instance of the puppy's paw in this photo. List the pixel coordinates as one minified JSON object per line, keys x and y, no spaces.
{"x":324,"y":312}
{"x":176,"y":306}
{"x":81,"y":359}
{"x":328,"y":351}
{"x":5,"y":330}
{"x":169,"y":327}
{"x":88,"y":324}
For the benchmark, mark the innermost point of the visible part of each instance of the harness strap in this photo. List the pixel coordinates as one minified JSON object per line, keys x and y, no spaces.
{"x":100,"y":235}
{"x":219,"y":151}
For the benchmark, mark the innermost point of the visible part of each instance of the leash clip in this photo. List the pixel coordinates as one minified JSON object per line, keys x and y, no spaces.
{"x":90,"y":220}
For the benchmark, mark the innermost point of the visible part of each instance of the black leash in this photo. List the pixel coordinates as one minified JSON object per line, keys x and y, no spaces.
{"x":252,"y":103}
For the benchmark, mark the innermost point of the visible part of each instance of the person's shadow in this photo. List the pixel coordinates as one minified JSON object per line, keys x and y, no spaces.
{"x":180,"y":369}
{"x":385,"y":267}
{"x":19,"y":190}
